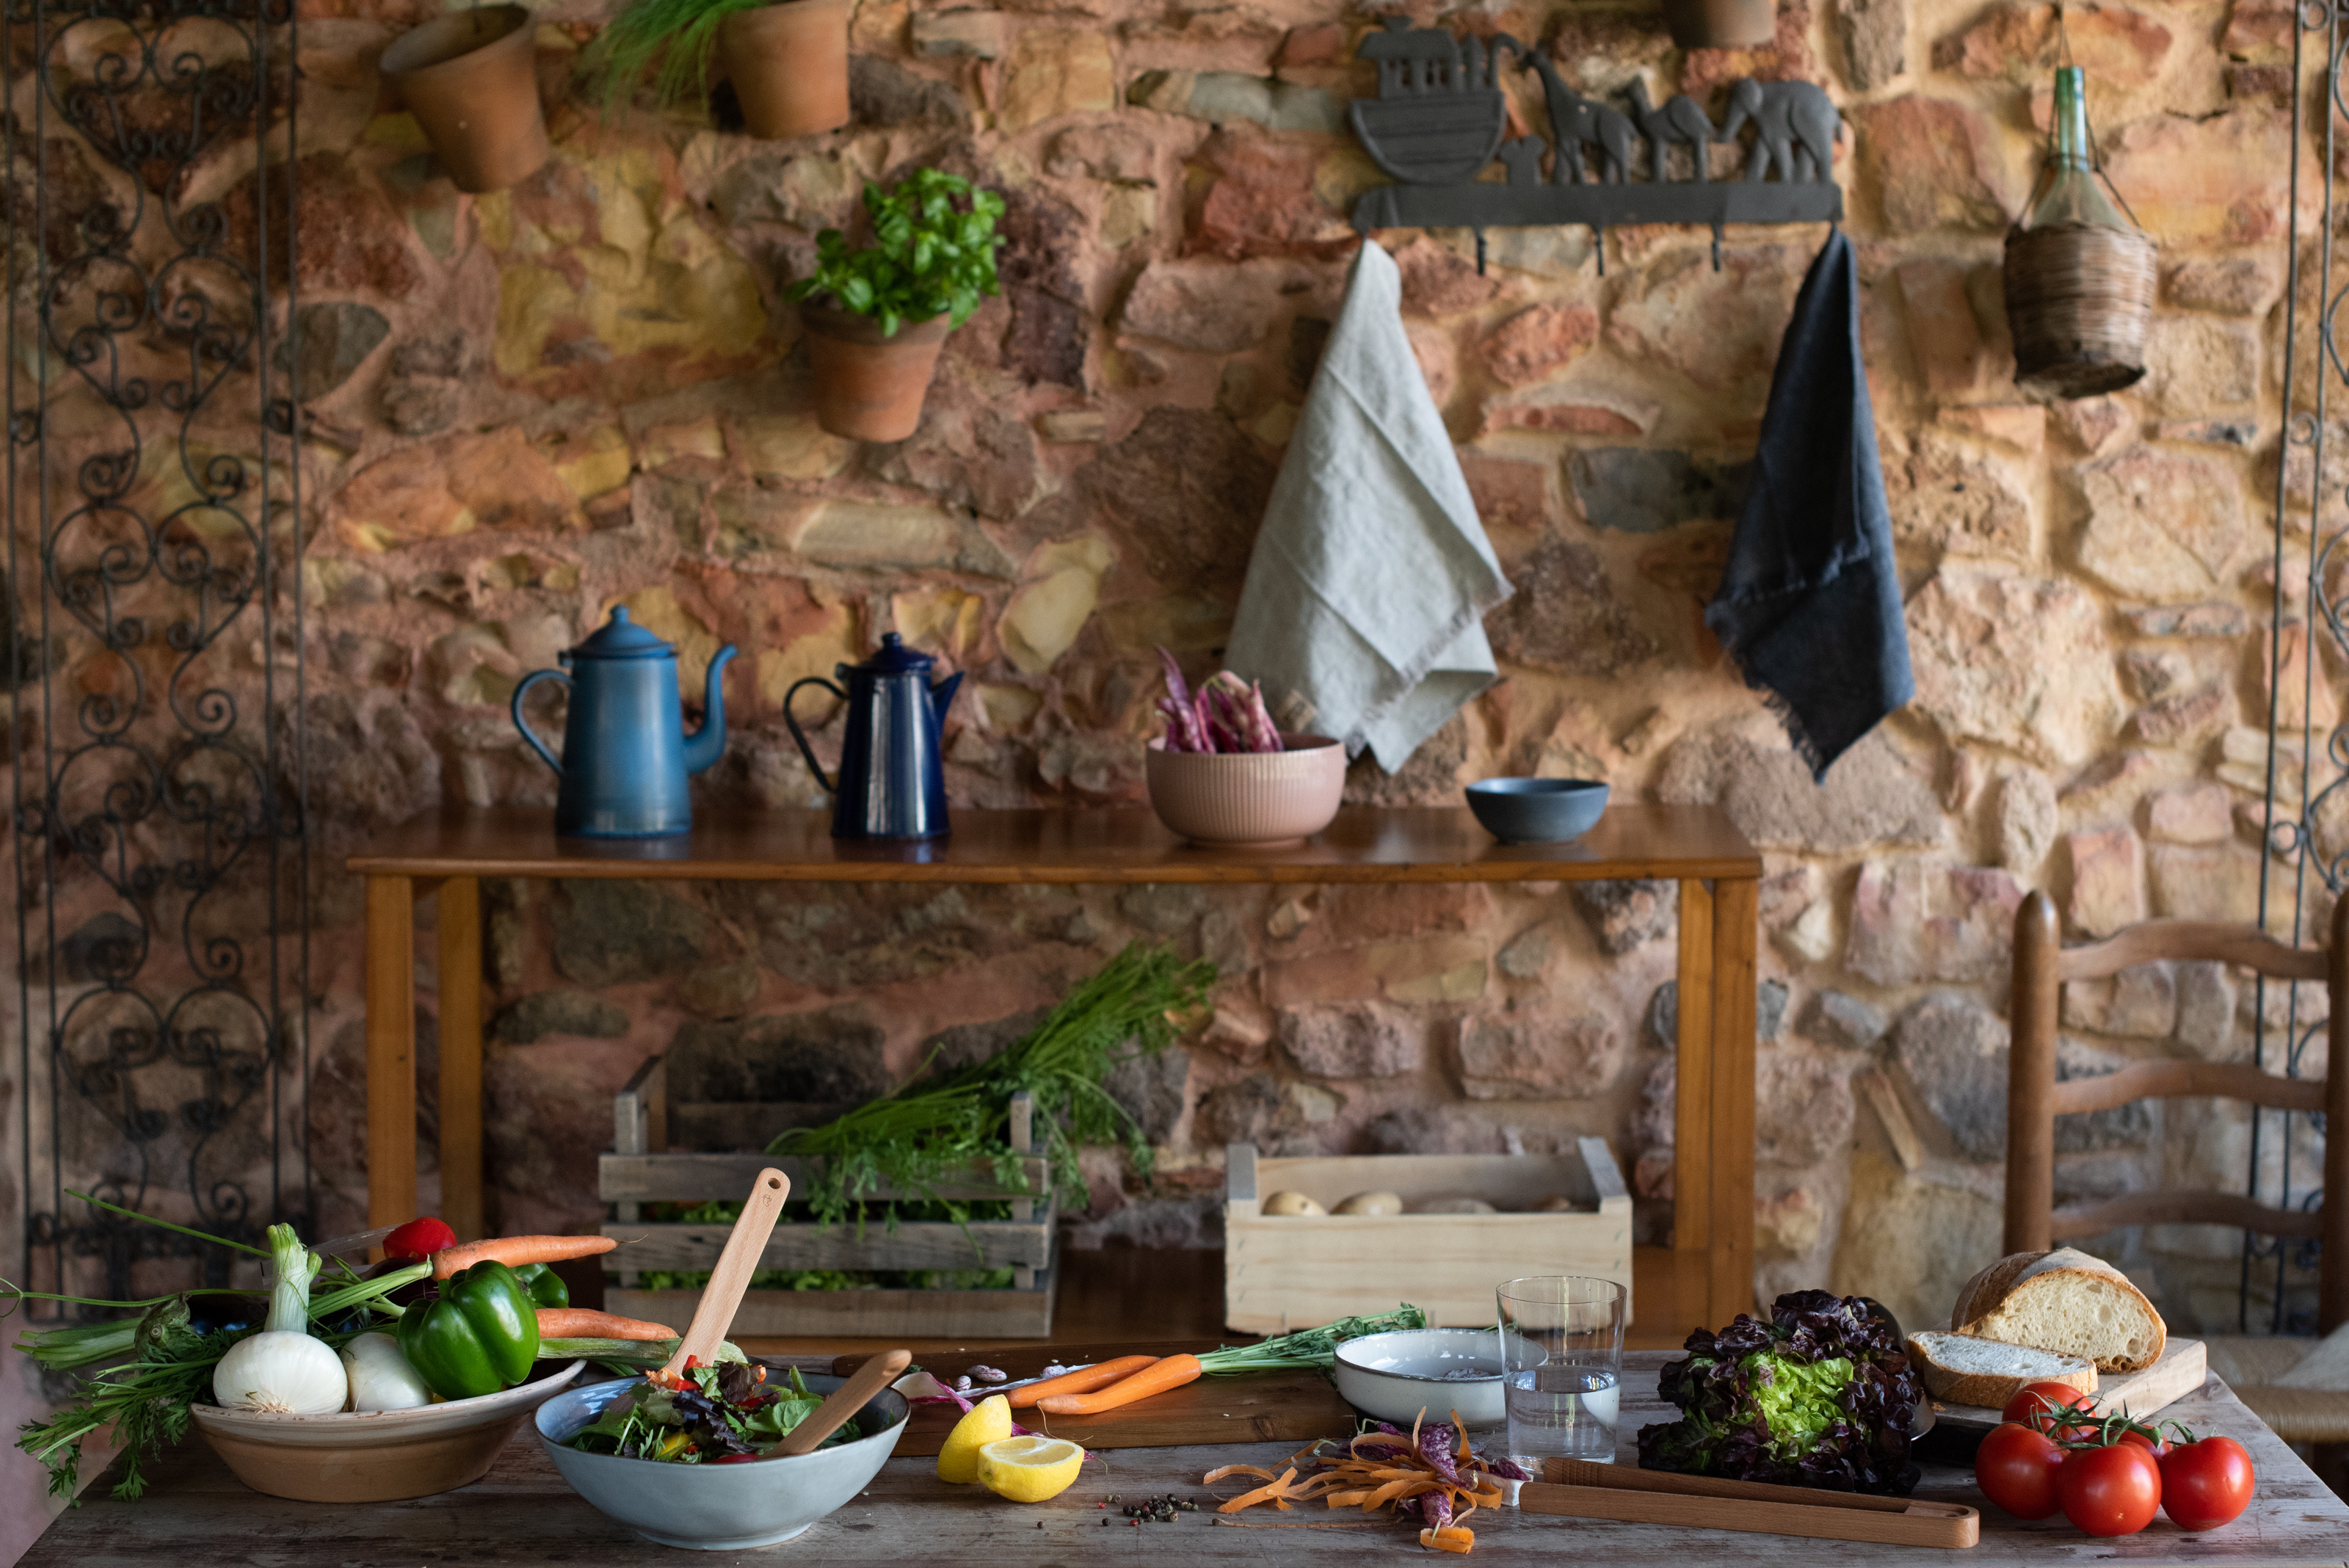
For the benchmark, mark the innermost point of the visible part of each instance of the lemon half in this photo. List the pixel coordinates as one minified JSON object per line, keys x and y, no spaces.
{"x":987,"y":1421}
{"x":1030,"y":1469}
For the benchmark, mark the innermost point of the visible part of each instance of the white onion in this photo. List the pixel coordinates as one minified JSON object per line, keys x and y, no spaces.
{"x":288,"y":1373}
{"x":380,"y":1378}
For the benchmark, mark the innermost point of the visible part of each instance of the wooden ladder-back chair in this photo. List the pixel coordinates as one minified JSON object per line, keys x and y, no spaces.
{"x":2034,"y":1099}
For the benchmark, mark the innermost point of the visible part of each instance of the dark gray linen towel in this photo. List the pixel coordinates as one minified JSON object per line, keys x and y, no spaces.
{"x":1810,"y":604}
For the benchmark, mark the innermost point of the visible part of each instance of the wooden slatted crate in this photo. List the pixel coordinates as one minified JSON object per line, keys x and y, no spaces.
{"x":1289,"y":1271}
{"x":640,"y":1169}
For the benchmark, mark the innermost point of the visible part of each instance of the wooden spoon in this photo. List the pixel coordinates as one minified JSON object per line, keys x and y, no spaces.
{"x":732,"y":1277}
{"x":842,"y":1403}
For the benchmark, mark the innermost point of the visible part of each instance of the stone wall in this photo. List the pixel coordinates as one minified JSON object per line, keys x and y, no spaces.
{"x":528,"y":407}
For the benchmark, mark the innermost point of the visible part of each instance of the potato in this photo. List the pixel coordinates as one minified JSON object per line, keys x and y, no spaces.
{"x":1556,"y":1203}
{"x":1455,"y":1206}
{"x":1371,"y":1203}
{"x":1292,"y":1203}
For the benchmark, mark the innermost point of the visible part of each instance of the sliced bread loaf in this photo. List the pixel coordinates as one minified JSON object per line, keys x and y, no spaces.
{"x":1963,"y":1370}
{"x":2066,"y":1303}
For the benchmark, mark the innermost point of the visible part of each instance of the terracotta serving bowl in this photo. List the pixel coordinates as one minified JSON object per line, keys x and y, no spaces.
{"x":1249,"y":800}
{"x":377,"y":1456}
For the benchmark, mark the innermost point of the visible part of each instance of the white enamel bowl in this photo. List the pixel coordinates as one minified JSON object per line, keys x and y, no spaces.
{"x":1394,"y":1376}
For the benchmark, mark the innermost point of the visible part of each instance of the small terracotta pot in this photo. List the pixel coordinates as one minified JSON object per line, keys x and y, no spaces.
{"x":1722,"y":24}
{"x":868,"y":387}
{"x":788,"y":64}
{"x":472,"y":80}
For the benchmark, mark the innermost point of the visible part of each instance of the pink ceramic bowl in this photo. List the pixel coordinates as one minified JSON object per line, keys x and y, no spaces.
{"x":1249,"y":800}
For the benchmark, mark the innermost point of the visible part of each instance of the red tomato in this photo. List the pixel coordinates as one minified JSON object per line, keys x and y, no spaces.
{"x":2113,"y":1490}
{"x":2158,"y":1448}
{"x":2205,"y":1484}
{"x":2036,"y":1404}
{"x":2016,"y":1469}
{"x":418,"y":1239}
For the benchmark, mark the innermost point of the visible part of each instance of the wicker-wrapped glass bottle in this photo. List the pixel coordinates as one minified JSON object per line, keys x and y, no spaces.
{"x":2079,"y":271}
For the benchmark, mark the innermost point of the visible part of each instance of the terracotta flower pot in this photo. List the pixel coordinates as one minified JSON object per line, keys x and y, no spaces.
{"x":790,"y":66}
{"x":472,"y":81}
{"x":868,"y":387}
{"x":1722,"y":24}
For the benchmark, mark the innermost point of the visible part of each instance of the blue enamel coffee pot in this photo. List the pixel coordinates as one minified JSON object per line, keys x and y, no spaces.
{"x":892,"y":781}
{"x":625,"y":754}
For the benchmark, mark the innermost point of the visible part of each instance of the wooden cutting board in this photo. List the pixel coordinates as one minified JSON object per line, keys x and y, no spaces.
{"x":1255,"y":1407}
{"x":2183,"y":1366}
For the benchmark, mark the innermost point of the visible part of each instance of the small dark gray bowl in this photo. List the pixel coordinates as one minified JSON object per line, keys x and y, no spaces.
{"x":1536,"y":811}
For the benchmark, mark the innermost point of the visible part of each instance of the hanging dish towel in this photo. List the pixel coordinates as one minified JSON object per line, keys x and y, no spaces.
{"x":1810,"y":606}
{"x":1366,"y":594}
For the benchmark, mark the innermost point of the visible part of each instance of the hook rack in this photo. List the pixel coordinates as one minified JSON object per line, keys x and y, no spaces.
{"x":1442,"y":117}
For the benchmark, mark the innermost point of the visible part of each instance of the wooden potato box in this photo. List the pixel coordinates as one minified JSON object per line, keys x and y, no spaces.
{"x":641,"y":1170}
{"x":1291,"y":1272}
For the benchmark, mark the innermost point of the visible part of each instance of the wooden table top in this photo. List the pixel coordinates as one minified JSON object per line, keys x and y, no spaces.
{"x":1365,"y":844}
{"x":196,"y":1515}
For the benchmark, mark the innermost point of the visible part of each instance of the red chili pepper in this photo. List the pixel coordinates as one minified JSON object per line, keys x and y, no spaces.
{"x":734,"y":1460}
{"x":418,"y":1239}
{"x":691,"y":1362}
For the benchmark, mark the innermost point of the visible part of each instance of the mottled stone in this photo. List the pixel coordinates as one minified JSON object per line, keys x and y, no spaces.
{"x":1532,"y":951}
{"x":2188,"y":719}
{"x":1933,"y":163}
{"x":1953,"y":1050}
{"x":419,"y":408}
{"x":2195,"y":181}
{"x":1059,"y":588}
{"x":982,"y":34}
{"x":2231,"y":286}
{"x":1221,"y":97}
{"x":721,"y":989}
{"x":1530,"y":345}
{"x":2205,"y":1010}
{"x":2022,"y":426}
{"x":1184,"y":491}
{"x":2124,"y":47}
{"x":2107,"y":880}
{"x":2027,"y":820}
{"x":881,"y":92}
{"x":497,"y":480}
{"x":1119,"y":152}
{"x":2196,"y":365}
{"x":2214,"y":882}
{"x":1911,"y":1242}
{"x":2161,"y":524}
{"x":1198,"y":305}
{"x":1960,"y":501}
{"x":1643,"y":490}
{"x":1054,"y":72}
{"x":1624,"y":914}
{"x":827,"y":1058}
{"x":1803,"y":1108}
{"x":1368,"y":1042}
{"x":2018,"y":662}
{"x":2140,"y":1001}
{"x":1869,"y":796}
{"x":615,"y":933}
{"x":544,"y":1012}
{"x":1874,"y":37}
{"x":1247,"y":1112}
{"x":370,"y":765}
{"x":1837,"y":1018}
{"x":2200,"y":812}
{"x":1719,"y":329}
{"x":1944,"y":333}
{"x":1152,"y":1088}
{"x":1568,"y":616}
{"x":1428,"y":1129}
{"x":2205,"y":621}
{"x":1531,"y":1056}
{"x":329,"y":341}
{"x":1914,"y":920}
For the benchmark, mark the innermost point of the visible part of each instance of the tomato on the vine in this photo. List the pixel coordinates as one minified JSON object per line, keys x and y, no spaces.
{"x":2205,"y":1484}
{"x":2016,"y":1469}
{"x":2110,"y":1491}
{"x":2038,"y":1404}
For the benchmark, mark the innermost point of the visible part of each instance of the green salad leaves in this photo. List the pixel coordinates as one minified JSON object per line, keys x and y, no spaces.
{"x":725,"y":1415}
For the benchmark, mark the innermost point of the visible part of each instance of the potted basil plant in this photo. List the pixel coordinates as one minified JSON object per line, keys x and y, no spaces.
{"x":788,"y":62}
{"x":877,"y":315}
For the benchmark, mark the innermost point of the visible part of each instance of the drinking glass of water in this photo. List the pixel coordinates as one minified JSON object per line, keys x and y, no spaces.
{"x":1562,"y":1344}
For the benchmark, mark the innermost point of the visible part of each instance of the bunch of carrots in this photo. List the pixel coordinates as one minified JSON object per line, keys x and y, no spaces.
{"x":518,"y":1252}
{"x":1090,"y":1390}
{"x":1430,"y":1473}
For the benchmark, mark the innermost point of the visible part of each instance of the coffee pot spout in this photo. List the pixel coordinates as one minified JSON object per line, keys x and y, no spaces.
{"x":707,"y":744}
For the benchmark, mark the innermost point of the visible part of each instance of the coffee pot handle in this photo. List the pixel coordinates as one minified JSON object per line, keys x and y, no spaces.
{"x":532,"y":679}
{"x":832,"y":786}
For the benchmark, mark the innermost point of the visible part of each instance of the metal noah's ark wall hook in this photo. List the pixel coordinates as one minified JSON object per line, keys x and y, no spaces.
{"x":1442,"y":117}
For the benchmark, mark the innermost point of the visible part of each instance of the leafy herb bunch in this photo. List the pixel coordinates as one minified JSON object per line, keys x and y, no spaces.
{"x":680,"y":35}
{"x":928,"y":256}
{"x":929,"y":1132}
{"x":1822,"y":1394}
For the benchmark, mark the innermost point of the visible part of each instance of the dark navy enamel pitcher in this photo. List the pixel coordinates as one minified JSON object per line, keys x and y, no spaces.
{"x":625,"y":754}
{"x":892,"y":781}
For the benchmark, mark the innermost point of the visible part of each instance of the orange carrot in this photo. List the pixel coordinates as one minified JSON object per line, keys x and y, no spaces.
{"x":1156,"y":1378}
{"x":578,"y":1322}
{"x":1083,"y":1380}
{"x":515,"y":1251}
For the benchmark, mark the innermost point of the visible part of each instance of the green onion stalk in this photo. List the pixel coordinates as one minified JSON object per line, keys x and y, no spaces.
{"x":1313,"y":1347}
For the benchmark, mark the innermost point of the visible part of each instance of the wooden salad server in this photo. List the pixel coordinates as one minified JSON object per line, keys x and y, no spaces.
{"x":842,"y":1403}
{"x":732,"y":1277}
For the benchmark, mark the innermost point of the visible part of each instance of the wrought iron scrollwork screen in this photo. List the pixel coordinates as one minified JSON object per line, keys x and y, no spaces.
{"x":154,"y":631}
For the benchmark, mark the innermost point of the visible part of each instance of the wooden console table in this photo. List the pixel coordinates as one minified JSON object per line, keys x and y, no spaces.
{"x":1710,"y":1261}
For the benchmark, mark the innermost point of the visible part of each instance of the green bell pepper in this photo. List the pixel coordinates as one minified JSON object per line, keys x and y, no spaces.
{"x":543,"y":1284}
{"x":477,"y":1336}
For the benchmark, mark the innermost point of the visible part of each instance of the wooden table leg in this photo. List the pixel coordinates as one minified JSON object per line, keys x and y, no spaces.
{"x":1735,"y":914}
{"x":461,"y":1056}
{"x":1692,"y":1103}
{"x":391,"y":1050}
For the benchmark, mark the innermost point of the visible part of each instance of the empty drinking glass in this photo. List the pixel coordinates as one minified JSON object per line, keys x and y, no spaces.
{"x":1562,"y":1342}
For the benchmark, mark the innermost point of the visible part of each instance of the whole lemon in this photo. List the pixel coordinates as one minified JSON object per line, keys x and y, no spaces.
{"x":987,"y":1421}
{"x":1030,"y":1469}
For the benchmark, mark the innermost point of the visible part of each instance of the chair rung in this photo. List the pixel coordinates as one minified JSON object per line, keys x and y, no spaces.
{"x":2172,"y":1080}
{"x":2227,"y":1209}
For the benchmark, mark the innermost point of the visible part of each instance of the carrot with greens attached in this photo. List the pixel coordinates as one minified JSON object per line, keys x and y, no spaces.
{"x":515,"y":1251}
{"x":1083,"y":1380}
{"x":579,"y":1323}
{"x":1311,"y":1347}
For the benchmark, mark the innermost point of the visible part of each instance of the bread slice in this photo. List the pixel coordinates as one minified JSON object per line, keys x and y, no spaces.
{"x":2066,"y":1303}
{"x":1963,"y":1370}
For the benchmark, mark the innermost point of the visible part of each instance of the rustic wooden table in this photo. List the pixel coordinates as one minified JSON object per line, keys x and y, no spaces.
{"x":196,"y":1515}
{"x":1709,"y":1271}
